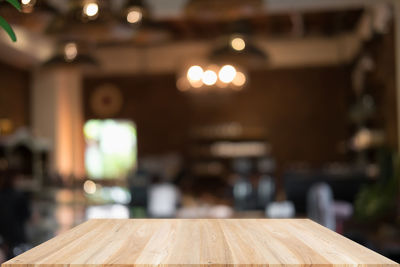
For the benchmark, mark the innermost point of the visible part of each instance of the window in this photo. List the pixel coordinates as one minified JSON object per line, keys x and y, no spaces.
{"x":111,"y":148}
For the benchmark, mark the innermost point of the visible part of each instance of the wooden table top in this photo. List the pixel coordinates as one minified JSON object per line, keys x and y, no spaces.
{"x":199,"y":242}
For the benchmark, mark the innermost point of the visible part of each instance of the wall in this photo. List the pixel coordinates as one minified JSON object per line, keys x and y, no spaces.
{"x":304,"y":111}
{"x":383,"y":85}
{"x":14,"y":95}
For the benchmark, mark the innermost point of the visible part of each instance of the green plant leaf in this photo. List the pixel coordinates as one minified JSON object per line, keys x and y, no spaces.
{"x":15,"y":3}
{"x":4,"y":24}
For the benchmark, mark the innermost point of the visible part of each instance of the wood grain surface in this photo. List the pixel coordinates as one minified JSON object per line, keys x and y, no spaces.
{"x":199,"y":242}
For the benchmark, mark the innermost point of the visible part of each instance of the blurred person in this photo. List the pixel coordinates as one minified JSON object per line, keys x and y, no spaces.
{"x":266,"y":183}
{"x":138,"y":185}
{"x":14,"y":212}
{"x":243,"y":189}
{"x":265,"y":191}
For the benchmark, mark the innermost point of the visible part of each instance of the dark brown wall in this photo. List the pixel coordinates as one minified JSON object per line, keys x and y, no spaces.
{"x":304,"y":111}
{"x":382,"y":83}
{"x":14,"y":95}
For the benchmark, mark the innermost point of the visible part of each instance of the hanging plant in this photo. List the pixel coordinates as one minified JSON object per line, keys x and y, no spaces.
{"x":4,"y":24}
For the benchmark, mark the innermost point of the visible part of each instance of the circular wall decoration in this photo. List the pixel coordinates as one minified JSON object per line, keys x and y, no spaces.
{"x":106,"y":101}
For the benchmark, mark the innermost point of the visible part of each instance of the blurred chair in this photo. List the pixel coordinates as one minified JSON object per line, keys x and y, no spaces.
{"x":163,"y":200}
{"x":265,"y":191}
{"x":242,"y":192}
{"x":283,"y":209}
{"x":266,"y":183}
{"x":139,"y":183}
{"x":320,"y":205}
{"x":344,"y":186}
{"x":343,"y":211}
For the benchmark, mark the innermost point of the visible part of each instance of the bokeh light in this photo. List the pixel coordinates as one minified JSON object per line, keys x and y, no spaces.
{"x":89,"y":187}
{"x":213,"y":75}
{"x":240,"y":79}
{"x":134,"y":15}
{"x":91,"y":9}
{"x":70,"y":51}
{"x":238,"y":43}
{"x":195,"y":73}
{"x":209,"y":77}
{"x":227,"y":73}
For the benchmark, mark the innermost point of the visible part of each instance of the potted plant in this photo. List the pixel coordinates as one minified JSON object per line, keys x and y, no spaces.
{"x":4,"y":24}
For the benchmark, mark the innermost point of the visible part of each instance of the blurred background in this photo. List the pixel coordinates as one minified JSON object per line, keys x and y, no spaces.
{"x":200,"y":109}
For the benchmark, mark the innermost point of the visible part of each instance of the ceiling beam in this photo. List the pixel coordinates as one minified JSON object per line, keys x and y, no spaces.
{"x":32,"y":49}
{"x":162,"y":9}
{"x":284,"y":6}
{"x":283,"y":53}
{"x":29,"y":50}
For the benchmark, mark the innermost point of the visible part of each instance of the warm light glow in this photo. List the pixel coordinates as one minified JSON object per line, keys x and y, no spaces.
{"x":227,"y":74}
{"x":70,"y":51}
{"x":240,"y":79}
{"x":209,"y":77}
{"x":182,"y":84}
{"x":195,"y":73}
{"x":91,"y":9}
{"x":27,"y":5}
{"x":239,"y":149}
{"x":212,"y":75}
{"x":238,"y":44}
{"x":89,"y":187}
{"x":134,"y":15}
{"x":196,"y":84}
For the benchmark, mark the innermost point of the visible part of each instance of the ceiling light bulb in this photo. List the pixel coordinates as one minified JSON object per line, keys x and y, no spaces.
{"x":195,"y":73}
{"x":91,"y":9}
{"x":209,"y":77}
{"x":227,"y":74}
{"x":238,"y":43}
{"x":134,"y":15}
{"x":240,"y":79}
{"x":27,"y":6}
{"x":70,"y":51}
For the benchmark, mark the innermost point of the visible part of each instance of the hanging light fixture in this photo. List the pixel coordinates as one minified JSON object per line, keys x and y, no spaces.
{"x":134,"y":15}
{"x":239,"y":80}
{"x":135,"y":11}
{"x":211,"y":77}
{"x":27,"y":5}
{"x":231,"y":56}
{"x":90,"y":9}
{"x":238,"y":43}
{"x":69,"y":52}
{"x":239,"y":49}
{"x":227,"y":73}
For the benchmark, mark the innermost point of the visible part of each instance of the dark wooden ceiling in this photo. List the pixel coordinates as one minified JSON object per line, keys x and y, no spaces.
{"x":110,"y":29}
{"x":320,"y":24}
